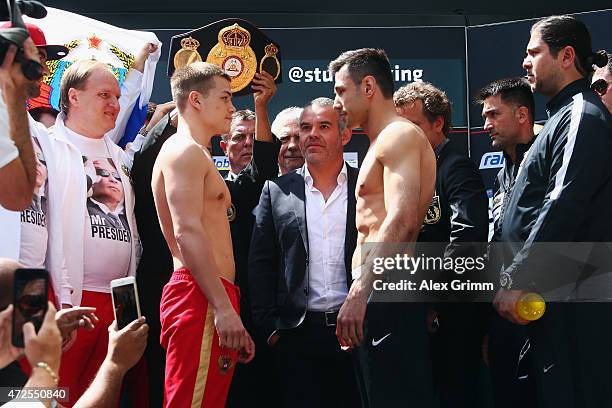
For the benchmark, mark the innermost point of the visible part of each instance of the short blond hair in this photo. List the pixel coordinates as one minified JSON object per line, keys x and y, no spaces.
{"x":194,"y":77}
{"x":75,"y":77}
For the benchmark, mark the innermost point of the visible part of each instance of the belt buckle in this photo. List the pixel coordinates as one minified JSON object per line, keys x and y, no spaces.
{"x":330,"y":318}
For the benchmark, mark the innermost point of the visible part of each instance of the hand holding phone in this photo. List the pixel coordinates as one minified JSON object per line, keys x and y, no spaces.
{"x":8,"y":352}
{"x":125,"y":301}
{"x":46,"y":345}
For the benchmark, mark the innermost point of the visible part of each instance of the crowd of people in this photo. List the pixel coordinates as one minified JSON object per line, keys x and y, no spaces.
{"x":257,"y":287}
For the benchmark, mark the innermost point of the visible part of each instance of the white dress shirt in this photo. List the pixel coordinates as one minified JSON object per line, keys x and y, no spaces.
{"x":326,"y":224}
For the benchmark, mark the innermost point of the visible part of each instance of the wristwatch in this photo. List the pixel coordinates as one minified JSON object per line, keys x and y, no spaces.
{"x":505,"y":280}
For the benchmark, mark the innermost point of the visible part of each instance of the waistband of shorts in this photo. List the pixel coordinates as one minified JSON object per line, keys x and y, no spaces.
{"x":183,"y":274}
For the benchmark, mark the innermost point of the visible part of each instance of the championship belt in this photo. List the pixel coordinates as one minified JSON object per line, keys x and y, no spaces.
{"x":233,"y":54}
{"x":188,"y":53}
{"x":234,"y":45}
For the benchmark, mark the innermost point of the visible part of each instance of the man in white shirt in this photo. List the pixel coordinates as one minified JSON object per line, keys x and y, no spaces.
{"x":299,"y":265}
{"x":99,"y":230}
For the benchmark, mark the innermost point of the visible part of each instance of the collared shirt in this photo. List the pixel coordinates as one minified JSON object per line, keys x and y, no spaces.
{"x":231,"y":176}
{"x":326,"y":224}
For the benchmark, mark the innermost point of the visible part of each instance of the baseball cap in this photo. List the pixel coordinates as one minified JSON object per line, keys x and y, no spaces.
{"x":54,"y":52}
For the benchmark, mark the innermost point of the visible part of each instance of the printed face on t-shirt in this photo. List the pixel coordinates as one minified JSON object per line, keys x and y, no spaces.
{"x":106,"y":198}
{"x":41,"y":167}
{"x":108,"y":188}
{"x":104,"y":183}
{"x":33,"y":245}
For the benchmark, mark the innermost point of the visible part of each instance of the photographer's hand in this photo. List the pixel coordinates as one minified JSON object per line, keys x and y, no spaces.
{"x":18,"y":177}
{"x":44,"y":346}
{"x":8,"y":352}
{"x":12,"y":80}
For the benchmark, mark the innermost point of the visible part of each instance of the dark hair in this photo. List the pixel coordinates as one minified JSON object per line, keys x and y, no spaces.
{"x":513,"y":91}
{"x":435,"y":102}
{"x":367,"y":61}
{"x":559,"y":32}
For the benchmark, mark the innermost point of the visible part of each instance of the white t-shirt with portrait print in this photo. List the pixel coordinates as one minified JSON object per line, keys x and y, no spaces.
{"x":34,"y":234}
{"x":107,"y":236}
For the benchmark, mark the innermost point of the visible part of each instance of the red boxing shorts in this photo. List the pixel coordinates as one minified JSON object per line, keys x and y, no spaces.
{"x":198,"y":370}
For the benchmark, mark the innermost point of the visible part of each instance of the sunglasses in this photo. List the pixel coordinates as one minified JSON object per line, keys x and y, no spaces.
{"x":600,"y":87}
{"x":106,"y":173}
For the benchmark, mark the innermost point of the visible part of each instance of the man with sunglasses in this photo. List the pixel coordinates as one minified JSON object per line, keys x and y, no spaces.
{"x":107,"y":200}
{"x":602,"y":83}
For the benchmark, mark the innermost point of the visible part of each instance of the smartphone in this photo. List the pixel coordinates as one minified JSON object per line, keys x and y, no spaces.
{"x":30,"y":296}
{"x":125,"y":301}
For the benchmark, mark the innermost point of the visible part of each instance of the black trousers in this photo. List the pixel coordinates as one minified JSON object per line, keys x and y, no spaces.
{"x":394,"y":360}
{"x":510,"y":364}
{"x":456,"y":350}
{"x":572,"y":355}
{"x":312,"y":370}
{"x":153,"y":272}
{"x":254,"y":384}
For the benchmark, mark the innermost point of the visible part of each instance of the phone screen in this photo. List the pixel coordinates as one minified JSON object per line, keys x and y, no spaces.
{"x":29,"y":301}
{"x":125,"y":304}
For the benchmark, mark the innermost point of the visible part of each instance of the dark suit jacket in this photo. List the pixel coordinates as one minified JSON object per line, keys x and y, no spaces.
{"x":94,"y":209}
{"x":155,"y":267}
{"x":245,"y":191}
{"x":458,"y":216}
{"x":278,"y":260}
{"x":460,"y":208}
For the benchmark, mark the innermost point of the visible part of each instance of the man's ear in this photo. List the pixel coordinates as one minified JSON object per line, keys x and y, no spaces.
{"x":223,"y":145}
{"x":568,"y":55}
{"x":345,"y":136}
{"x":193,"y":99}
{"x":438,"y":124}
{"x":368,"y":85}
{"x":73,"y":97}
{"x":522,"y":114}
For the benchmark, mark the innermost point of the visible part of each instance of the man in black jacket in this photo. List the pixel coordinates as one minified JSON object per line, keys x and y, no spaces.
{"x":300,"y":265}
{"x":556,"y":218}
{"x":252,"y":151}
{"x":457,"y":218}
{"x":508,"y":109}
